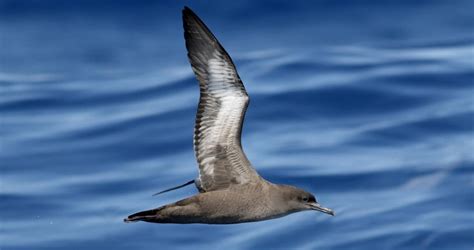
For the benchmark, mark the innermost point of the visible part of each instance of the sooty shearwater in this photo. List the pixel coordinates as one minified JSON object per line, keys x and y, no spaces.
{"x":230,"y":190}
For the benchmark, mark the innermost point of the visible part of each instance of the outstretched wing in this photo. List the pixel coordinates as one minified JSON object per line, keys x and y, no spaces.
{"x":220,"y":115}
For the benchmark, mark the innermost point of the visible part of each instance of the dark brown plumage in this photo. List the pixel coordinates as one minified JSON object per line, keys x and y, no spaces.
{"x":231,"y":191}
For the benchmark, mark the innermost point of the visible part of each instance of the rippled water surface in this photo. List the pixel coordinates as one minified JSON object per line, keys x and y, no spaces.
{"x":368,"y":104}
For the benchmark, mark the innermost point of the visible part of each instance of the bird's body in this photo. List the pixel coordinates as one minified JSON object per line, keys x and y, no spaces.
{"x":237,"y":204}
{"x":231,"y":190}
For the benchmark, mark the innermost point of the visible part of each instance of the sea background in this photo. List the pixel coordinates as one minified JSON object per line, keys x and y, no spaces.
{"x":367,"y":104}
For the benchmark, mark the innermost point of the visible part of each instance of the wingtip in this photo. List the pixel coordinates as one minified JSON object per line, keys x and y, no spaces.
{"x":187,"y":11}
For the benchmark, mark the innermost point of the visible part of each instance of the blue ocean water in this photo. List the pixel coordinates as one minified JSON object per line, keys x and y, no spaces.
{"x":368,"y":104}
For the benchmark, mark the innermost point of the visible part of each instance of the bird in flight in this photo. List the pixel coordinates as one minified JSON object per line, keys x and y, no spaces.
{"x":230,"y":189}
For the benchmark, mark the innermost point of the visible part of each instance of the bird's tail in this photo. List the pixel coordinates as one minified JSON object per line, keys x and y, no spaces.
{"x":143,"y":215}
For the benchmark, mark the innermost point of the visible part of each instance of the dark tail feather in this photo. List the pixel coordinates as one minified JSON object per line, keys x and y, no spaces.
{"x":174,"y":188}
{"x":143,"y":215}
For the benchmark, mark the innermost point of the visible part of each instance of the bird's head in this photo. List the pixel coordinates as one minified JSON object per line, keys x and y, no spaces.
{"x":300,"y":200}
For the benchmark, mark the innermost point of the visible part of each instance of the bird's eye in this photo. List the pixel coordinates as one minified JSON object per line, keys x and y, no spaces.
{"x":305,"y":199}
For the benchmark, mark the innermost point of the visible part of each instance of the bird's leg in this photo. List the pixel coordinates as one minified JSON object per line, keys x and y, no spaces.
{"x":174,"y":188}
